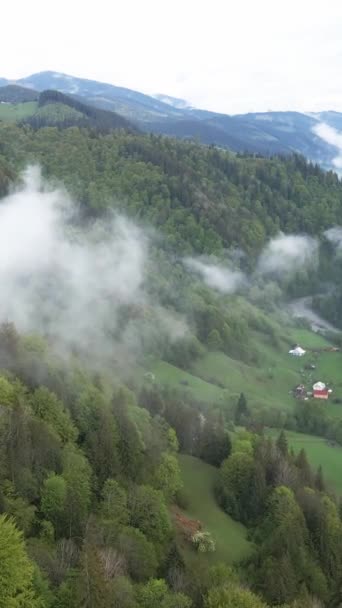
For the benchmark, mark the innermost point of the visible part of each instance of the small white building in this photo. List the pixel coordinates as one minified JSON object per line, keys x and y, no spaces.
{"x":297,"y":351}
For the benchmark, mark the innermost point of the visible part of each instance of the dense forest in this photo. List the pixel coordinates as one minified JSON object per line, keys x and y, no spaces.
{"x":57,"y":109}
{"x":202,"y":199}
{"x":89,"y":469}
{"x":88,"y":473}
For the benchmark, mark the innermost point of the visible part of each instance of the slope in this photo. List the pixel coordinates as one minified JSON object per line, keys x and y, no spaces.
{"x":130,"y":104}
{"x":230,"y":536}
{"x":52,"y":108}
{"x":13,"y":94}
{"x":17,"y":112}
{"x":320,"y":452}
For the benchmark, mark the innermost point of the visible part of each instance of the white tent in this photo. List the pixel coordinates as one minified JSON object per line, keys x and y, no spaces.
{"x":297,"y":351}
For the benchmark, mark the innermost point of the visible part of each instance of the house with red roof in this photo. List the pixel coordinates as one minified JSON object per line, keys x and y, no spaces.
{"x":321,"y":393}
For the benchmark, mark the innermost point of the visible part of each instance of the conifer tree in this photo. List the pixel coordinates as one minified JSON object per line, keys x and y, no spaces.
{"x":282,"y":444}
{"x":319,"y":480}
{"x":16,"y":570}
{"x":242,"y":410}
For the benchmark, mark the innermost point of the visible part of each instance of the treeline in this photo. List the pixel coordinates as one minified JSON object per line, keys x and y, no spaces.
{"x":86,"y":478}
{"x":13,"y":93}
{"x":202,"y":199}
{"x":295,"y":524}
{"x":309,"y":417}
{"x":88,"y":470}
{"x":83,"y":115}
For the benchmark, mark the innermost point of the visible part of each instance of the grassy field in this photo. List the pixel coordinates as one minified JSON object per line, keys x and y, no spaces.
{"x":172,"y":376}
{"x":277,"y":373}
{"x":53,"y":112}
{"x":319,"y":452}
{"x":266,"y":385}
{"x":230,"y":536}
{"x":14,"y":112}
{"x":308,"y":339}
{"x":217,"y":378}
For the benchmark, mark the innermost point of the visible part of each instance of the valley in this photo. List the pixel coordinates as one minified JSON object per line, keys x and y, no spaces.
{"x":145,"y":366}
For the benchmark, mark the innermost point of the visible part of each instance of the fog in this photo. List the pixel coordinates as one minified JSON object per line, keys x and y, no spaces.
{"x":302,"y":308}
{"x":334,"y":235}
{"x":76,"y":287}
{"x":334,"y":138}
{"x":281,"y":257}
{"x":217,"y":276}
{"x":286,"y":254}
{"x":86,"y":289}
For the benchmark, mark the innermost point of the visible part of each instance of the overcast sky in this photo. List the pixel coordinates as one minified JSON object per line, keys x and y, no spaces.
{"x":224,"y":55}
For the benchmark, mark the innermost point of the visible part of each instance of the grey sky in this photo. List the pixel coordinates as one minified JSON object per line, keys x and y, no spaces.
{"x":225,"y":55}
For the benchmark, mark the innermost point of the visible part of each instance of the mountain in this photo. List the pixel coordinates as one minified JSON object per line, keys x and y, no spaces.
{"x":126,"y":102}
{"x":53,"y":108}
{"x":175,"y":102}
{"x":13,"y":93}
{"x":333,"y":119}
{"x":264,"y":133}
{"x":53,"y":105}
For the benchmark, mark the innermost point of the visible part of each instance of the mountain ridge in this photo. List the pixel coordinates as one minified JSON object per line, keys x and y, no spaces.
{"x":53,"y":108}
{"x":265,"y":133}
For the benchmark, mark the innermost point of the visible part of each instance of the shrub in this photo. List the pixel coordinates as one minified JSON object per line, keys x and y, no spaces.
{"x":204,"y":542}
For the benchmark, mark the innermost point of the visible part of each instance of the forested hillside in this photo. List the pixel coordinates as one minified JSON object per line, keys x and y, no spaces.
{"x":52,"y":108}
{"x":143,"y":296}
{"x":203,"y":199}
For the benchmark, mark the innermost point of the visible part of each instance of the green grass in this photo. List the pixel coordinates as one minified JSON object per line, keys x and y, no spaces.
{"x":319,"y":452}
{"x":54,"y":112}
{"x":308,"y":339}
{"x":217,"y":378}
{"x":19,"y":111}
{"x":229,"y":535}
{"x":169,"y":375}
{"x":267,"y":385}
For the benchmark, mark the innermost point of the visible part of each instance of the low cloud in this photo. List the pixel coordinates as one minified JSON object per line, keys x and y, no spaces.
{"x":334,"y":235}
{"x":286,"y":254}
{"x":84,"y":289}
{"x":217,"y":276}
{"x":334,"y":138}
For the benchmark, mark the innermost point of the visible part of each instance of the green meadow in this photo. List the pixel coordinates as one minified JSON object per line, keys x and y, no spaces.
{"x":19,"y":111}
{"x":230,"y":536}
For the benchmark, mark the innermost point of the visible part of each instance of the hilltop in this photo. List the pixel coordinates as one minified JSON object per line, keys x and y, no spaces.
{"x":265,"y":133}
{"x":52,"y":108}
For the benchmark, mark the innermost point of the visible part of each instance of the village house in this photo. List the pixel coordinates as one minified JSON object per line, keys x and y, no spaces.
{"x":320,"y":391}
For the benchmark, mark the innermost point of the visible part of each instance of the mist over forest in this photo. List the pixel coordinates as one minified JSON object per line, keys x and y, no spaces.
{"x":159,"y":444}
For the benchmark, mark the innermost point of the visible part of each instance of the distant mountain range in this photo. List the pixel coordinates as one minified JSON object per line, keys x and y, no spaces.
{"x":264,"y":133}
